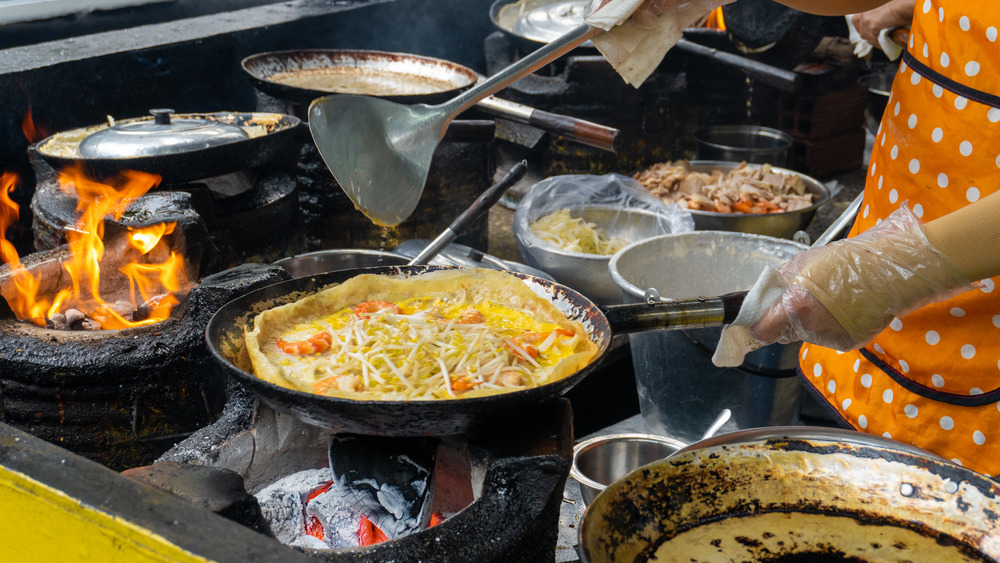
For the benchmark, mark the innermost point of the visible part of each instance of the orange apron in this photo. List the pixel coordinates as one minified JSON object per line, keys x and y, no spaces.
{"x":932,"y":378}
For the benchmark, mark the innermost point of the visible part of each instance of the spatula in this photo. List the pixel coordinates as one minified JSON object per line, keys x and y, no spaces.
{"x":380,"y":151}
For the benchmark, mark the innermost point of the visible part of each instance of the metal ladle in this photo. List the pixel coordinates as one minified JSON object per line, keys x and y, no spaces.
{"x":380,"y":151}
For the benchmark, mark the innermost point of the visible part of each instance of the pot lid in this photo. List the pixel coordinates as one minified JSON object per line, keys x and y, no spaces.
{"x":158,"y":136}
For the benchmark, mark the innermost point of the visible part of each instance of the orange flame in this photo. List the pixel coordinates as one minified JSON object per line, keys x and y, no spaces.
{"x":30,"y":130}
{"x":95,"y":202}
{"x":715,"y":19}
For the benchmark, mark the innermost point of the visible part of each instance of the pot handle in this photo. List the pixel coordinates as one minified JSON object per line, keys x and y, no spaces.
{"x":656,"y":314}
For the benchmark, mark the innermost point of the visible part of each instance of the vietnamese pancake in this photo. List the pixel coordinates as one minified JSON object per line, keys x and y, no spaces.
{"x":440,"y":335}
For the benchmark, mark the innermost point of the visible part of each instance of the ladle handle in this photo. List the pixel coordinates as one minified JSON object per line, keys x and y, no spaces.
{"x":482,"y":203}
{"x":577,"y":130}
{"x":701,"y":312}
{"x":523,"y":67}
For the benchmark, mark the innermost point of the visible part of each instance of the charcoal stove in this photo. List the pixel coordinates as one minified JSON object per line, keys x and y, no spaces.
{"x":119,"y":397}
{"x":232,"y":207}
{"x":504,"y":485}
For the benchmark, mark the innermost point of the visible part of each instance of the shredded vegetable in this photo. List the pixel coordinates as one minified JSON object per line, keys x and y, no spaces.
{"x":423,"y":349}
{"x":575,"y":234}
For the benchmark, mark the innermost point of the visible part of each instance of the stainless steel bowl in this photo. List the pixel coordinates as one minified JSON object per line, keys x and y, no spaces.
{"x":737,"y":143}
{"x":600,"y":461}
{"x":586,"y":273}
{"x":320,"y":261}
{"x":780,"y":225}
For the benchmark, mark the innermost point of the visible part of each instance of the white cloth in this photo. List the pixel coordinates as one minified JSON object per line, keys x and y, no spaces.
{"x":862,"y":48}
{"x":634,"y":48}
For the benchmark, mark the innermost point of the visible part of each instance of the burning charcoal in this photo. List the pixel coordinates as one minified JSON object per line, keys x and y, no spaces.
{"x":58,"y":322}
{"x":339,"y":523}
{"x":283,"y":505}
{"x":90,"y":324}
{"x":74,"y":316}
{"x":143,"y":311}
{"x":386,"y":480}
{"x":124,"y":309}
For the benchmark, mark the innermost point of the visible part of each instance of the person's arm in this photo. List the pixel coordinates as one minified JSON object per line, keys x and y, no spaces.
{"x":893,"y":14}
{"x":844,"y":294}
{"x":832,"y":7}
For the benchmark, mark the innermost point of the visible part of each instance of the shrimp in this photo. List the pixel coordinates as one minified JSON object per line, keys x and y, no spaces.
{"x":368,"y":308}
{"x":315,"y":344}
{"x":471,"y":316}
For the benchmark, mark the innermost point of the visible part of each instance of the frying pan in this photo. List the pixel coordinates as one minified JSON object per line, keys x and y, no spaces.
{"x":796,"y":494}
{"x":283,"y":137}
{"x":437,"y":79}
{"x":224,"y":336}
{"x":527,"y":40}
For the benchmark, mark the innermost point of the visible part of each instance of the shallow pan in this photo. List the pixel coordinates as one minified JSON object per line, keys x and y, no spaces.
{"x":225,"y":330}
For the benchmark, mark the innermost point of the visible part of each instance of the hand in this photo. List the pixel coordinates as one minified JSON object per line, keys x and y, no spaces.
{"x":897,"y":13}
{"x":844,"y":294}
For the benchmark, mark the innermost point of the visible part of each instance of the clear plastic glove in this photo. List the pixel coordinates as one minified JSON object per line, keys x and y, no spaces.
{"x":843,"y":294}
{"x":638,"y":33}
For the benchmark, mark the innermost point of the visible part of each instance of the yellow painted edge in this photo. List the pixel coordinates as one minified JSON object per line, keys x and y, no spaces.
{"x":39,"y":523}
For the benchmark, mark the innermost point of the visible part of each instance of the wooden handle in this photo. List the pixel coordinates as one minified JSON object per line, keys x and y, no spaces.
{"x":578,"y":130}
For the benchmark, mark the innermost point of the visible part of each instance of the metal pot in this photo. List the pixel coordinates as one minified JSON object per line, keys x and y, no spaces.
{"x":275,"y":136}
{"x":796,"y":493}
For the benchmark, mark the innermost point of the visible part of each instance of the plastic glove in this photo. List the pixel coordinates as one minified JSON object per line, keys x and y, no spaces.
{"x":870,"y":24}
{"x":844,"y":294}
{"x":639,"y":33}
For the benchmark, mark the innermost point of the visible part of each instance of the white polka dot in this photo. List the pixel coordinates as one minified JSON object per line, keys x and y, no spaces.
{"x":945,"y":60}
{"x":942,"y":180}
{"x":963,"y":22}
{"x":972,"y":194}
{"x":937,"y":134}
{"x":918,"y":210}
{"x":968,"y":351}
{"x":979,"y":438}
{"x":957,"y":312}
{"x":927,"y":52}
{"x":878,"y":348}
{"x":965,"y":148}
{"x":993,"y":115}
{"x":932,"y":337}
{"x":887,"y":435}
{"x":961,"y":102}
{"x":863,"y":421}
{"x":857,"y":363}
{"x":911,"y":411}
{"x":998,"y":161}
{"x":865,"y":213}
{"x":904,"y":366}
{"x":941,"y":15}
{"x":894,"y":152}
{"x":882,"y":142}
{"x":914,"y":79}
{"x":896,"y":324}
{"x":893,"y":196}
{"x":952,"y":487}
{"x":987,"y":285}
{"x":937,"y":90}
{"x":975,"y":391}
{"x":845,"y":404}
{"x":887,"y":395}
{"x":880,"y":180}
{"x":831,"y":386}
{"x":912,"y":121}
{"x":817,"y":370}
{"x":866,"y":380}
{"x":991,"y":33}
{"x":947,"y":423}
{"x":871,"y":171}
{"x":805,"y":352}
{"x":971,"y":68}
{"x":996,"y":323}
{"x":927,"y":6}
{"x":937,"y":380}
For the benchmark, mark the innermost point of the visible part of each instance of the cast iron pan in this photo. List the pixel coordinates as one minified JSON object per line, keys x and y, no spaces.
{"x":444,"y":78}
{"x":224,"y":335}
{"x":284,"y":137}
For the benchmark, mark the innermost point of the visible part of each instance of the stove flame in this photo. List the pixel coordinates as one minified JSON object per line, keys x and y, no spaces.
{"x":32,"y":132}
{"x":715,"y":19}
{"x":152,"y":284}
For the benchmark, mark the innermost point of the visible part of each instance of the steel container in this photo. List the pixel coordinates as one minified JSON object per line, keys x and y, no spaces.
{"x":586,"y":273}
{"x":743,"y":143}
{"x":680,"y":390}
{"x":781,"y":225}
{"x":602,"y":460}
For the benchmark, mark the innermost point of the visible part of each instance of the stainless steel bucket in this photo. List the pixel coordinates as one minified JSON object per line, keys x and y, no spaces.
{"x":680,"y":390}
